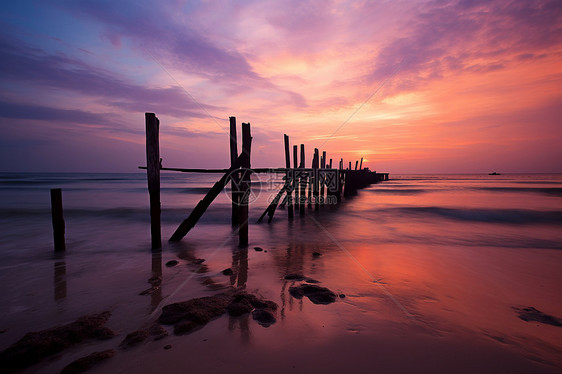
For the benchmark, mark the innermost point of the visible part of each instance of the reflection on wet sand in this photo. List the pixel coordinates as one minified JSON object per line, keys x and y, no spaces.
{"x":60,"y":280}
{"x":238,"y":279}
{"x":239,"y":275}
{"x":156,"y":295}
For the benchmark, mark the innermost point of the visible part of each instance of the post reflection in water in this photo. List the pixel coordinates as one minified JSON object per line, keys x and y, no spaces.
{"x":238,"y":278}
{"x":156,"y":294}
{"x":60,"y":278}
{"x":239,"y":268}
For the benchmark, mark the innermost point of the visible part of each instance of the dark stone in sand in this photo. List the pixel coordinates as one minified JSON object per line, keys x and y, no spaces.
{"x":316,"y":254}
{"x":263,"y":317}
{"x":86,"y":363}
{"x":258,"y":249}
{"x":133,"y":339}
{"x":193,"y":314}
{"x":532,"y":314}
{"x":200,"y":310}
{"x":172,"y":263}
{"x":240,"y":308}
{"x":342,"y":296}
{"x":198,"y":261}
{"x":296,"y":277}
{"x":35,"y":346}
{"x":168,"y":346}
{"x":227,"y":271}
{"x":316,"y":294}
{"x":254,"y":301}
{"x":310,"y":280}
{"x":186,"y":327}
{"x":157,"y":331}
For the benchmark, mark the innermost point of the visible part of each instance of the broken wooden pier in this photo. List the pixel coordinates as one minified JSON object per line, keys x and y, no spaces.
{"x":303,"y":187}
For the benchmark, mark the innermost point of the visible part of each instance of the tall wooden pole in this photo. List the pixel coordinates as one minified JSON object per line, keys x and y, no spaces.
{"x":153,"y":176}
{"x":356,"y":163}
{"x":302,"y":194}
{"x":316,"y":186}
{"x":288,"y":177}
{"x":245,"y":185}
{"x":58,"y":219}
{"x":295,"y":179}
{"x":323,"y":178}
{"x":361,"y":164}
{"x":235,"y":179}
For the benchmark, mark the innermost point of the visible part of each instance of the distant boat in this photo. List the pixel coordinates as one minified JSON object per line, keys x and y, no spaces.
{"x":494,"y":173}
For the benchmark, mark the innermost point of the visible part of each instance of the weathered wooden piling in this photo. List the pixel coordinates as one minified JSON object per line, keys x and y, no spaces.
{"x":361,"y":164}
{"x":303,"y":177}
{"x":322,"y":176}
{"x":153,"y":176}
{"x":295,"y":178}
{"x":58,"y":219}
{"x":316,"y":179}
{"x":289,"y":177}
{"x":245,"y":185}
{"x":235,"y":178}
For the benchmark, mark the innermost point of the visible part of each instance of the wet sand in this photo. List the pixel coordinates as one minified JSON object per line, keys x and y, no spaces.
{"x":434,"y":312}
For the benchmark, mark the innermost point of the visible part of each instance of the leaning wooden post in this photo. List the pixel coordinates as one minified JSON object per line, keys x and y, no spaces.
{"x":302,"y":193}
{"x":245,"y":185}
{"x":356,"y":163}
{"x":58,"y":219}
{"x":153,"y":176}
{"x":361,"y":164}
{"x":289,"y":177}
{"x":295,"y":179}
{"x":234,"y":181}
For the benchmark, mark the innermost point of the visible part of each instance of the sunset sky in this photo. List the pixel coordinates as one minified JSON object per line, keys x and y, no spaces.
{"x":465,"y":86}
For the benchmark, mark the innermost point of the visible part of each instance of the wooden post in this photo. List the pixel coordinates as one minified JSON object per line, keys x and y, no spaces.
{"x":153,"y":176}
{"x":245,"y":185}
{"x":302,"y":194}
{"x":58,"y":219}
{"x":295,"y":179}
{"x":323,"y":177}
{"x":289,"y":177}
{"x":349,"y":165}
{"x":311,"y":181}
{"x":235,"y":179}
{"x":356,"y":163}
{"x":316,"y":180}
{"x":361,"y":164}
{"x":330,"y":163}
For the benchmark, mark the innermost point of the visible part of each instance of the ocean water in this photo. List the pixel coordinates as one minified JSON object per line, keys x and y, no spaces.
{"x":451,"y":253}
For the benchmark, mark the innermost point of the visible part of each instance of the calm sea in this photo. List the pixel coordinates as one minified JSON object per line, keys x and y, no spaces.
{"x":443,"y":245}
{"x":101,"y":210}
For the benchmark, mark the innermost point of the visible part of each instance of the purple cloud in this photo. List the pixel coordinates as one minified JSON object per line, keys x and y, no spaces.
{"x":157,"y":32}
{"x":21,"y":63}
{"x":447,"y":37}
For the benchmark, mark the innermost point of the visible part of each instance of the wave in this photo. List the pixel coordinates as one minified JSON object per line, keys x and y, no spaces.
{"x":511,"y":216}
{"x":214,"y":214}
{"x":551,"y":191}
{"x":401,"y":191}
